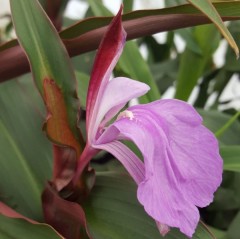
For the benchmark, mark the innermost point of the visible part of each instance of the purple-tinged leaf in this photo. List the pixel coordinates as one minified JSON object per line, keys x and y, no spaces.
{"x":9,"y":212}
{"x":68,"y":218}
{"x":86,"y":35}
{"x":45,"y":228}
{"x":55,"y":80}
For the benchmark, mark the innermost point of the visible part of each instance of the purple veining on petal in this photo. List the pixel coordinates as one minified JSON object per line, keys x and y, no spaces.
{"x":193,"y":147}
{"x":129,"y":160}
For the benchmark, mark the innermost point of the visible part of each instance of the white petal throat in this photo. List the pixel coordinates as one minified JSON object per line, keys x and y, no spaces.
{"x":126,"y":114}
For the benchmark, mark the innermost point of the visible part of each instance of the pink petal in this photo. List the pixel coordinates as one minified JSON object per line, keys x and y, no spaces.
{"x":193,"y":147}
{"x":178,"y":161}
{"x":115,"y":98}
{"x":108,"y":54}
{"x":129,"y":160}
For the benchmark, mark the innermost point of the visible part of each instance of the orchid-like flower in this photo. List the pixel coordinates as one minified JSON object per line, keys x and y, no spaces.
{"x":181,"y":166}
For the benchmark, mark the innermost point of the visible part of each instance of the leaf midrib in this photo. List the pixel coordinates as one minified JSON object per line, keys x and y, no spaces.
{"x":28,"y":171}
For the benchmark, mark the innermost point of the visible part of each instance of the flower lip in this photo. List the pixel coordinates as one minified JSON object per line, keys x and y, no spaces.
{"x":181,"y":160}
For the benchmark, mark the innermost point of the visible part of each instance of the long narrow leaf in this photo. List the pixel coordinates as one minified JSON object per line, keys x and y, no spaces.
{"x":86,"y":35}
{"x":19,"y":228}
{"x":54,"y":78}
{"x":25,"y":160}
{"x":207,"y":39}
{"x":209,"y":10}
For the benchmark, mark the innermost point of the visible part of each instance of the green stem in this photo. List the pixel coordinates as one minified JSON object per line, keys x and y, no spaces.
{"x":227,"y":125}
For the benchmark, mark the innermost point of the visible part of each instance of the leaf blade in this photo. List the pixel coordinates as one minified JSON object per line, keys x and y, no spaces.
{"x":19,"y":228}
{"x":32,"y":26}
{"x":209,"y":10}
{"x":231,"y":157}
{"x":21,"y":131}
{"x":86,"y":35}
{"x":112,"y":211}
{"x":55,"y":80}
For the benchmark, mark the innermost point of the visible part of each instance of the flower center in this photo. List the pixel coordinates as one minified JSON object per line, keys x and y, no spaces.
{"x":126,"y":114}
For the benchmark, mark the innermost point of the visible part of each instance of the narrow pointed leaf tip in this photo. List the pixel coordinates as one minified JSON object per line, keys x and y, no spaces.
{"x":55,"y":80}
{"x":181,"y":168}
{"x":207,"y":8}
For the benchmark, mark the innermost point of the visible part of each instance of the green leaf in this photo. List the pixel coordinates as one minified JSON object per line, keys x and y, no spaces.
{"x":52,"y":70}
{"x":55,"y":79}
{"x":177,"y":15}
{"x":85,"y":36}
{"x":219,"y":233}
{"x":25,"y":161}
{"x":99,"y":9}
{"x":214,"y":120}
{"x":231,"y":157}
{"x":225,"y":199}
{"x":210,"y":11}
{"x":83,"y":82}
{"x":234,"y":229}
{"x":19,"y":228}
{"x":128,"y":5}
{"x":206,"y":39}
{"x":133,"y":65}
{"x":228,"y":9}
{"x":231,"y":63}
{"x":191,"y":43}
{"x":165,"y":73}
{"x":228,"y":124}
{"x":113,"y":211}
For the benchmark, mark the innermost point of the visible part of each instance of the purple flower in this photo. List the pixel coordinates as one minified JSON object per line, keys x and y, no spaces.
{"x":181,"y":166}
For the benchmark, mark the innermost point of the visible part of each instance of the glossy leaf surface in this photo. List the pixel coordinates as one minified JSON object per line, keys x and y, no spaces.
{"x":18,"y":228}
{"x":114,"y":212}
{"x":25,"y":163}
